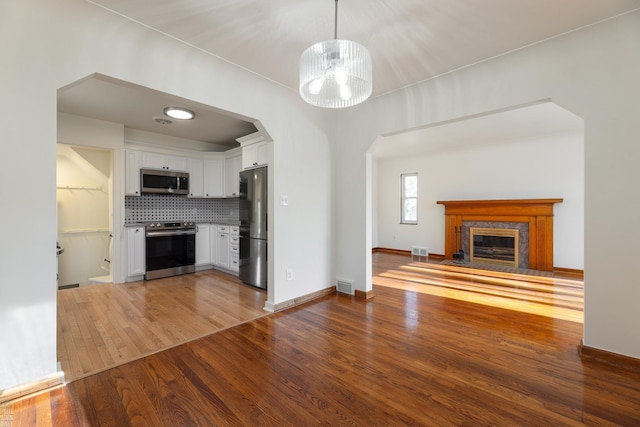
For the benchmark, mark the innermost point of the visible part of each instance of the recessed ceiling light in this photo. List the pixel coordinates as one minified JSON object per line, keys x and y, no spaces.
{"x":179,"y":113}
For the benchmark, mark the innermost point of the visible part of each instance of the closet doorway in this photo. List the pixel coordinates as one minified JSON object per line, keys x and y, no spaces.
{"x":84,"y":185}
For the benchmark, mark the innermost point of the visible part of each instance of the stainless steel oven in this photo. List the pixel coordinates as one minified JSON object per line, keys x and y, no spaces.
{"x":170,"y":249}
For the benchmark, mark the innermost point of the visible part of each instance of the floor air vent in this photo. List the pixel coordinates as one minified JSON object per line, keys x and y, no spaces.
{"x":345,"y":286}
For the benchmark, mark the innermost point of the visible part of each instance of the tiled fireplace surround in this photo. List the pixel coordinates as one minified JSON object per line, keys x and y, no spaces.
{"x":523,"y":237}
{"x":533,"y":218}
{"x":150,"y":207}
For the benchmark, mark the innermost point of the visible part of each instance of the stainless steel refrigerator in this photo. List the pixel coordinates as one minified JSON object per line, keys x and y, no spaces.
{"x":253,"y":227}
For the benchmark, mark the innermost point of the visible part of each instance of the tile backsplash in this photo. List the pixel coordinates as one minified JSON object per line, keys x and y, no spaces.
{"x":152,"y":207}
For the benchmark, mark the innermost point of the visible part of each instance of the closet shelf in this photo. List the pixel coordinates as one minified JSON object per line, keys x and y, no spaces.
{"x":77,"y":187}
{"x":85,"y":231}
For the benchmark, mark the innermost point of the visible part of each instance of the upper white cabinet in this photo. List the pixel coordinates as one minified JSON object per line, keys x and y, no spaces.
{"x":254,"y":155}
{"x":132,"y":165}
{"x":164,"y":161}
{"x":195,"y":167}
{"x":232,"y":168}
{"x":255,"y":150}
{"x":214,"y":178}
{"x":210,"y":176}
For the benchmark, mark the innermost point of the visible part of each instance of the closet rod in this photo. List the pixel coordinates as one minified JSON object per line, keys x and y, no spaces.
{"x":77,"y":187}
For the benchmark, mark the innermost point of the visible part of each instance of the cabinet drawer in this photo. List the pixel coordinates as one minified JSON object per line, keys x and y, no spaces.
{"x":235,"y":229}
{"x":234,"y":240}
{"x":234,"y":249}
{"x":223,"y":229}
{"x":235,"y":263}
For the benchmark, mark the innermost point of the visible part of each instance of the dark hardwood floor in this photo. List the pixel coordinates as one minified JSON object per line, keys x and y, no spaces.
{"x":423,"y":351}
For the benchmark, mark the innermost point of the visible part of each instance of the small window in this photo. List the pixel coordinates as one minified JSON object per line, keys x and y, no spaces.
{"x":409,"y":207}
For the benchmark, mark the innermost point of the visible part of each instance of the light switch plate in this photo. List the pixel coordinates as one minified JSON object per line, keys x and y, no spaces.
{"x":284,"y":200}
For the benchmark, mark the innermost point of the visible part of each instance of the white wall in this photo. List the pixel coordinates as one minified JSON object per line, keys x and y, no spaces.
{"x":48,"y":45}
{"x":533,"y":168}
{"x":592,"y":72}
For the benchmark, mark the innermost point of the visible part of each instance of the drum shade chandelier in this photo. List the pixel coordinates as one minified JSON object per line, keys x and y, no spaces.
{"x":335,"y":73}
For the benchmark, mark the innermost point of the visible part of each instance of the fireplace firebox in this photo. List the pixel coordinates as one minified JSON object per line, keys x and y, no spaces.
{"x":494,"y":246}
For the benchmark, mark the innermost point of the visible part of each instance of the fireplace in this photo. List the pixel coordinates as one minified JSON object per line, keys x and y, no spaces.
{"x":532,"y":217}
{"x":494,"y":246}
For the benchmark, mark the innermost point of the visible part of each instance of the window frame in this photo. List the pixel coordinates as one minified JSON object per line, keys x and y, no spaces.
{"x":404,"y":198}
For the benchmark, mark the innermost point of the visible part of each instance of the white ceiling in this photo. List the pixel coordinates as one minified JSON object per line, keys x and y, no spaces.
{"x":409,"y":40}
{"x":136,"y":107}
{"x":510,"y":126}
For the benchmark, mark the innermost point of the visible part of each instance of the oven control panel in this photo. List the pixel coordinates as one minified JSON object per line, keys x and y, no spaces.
{"x":171,"y":225}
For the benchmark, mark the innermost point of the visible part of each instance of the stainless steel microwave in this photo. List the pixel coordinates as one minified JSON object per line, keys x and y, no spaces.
{"x":158,"y":181}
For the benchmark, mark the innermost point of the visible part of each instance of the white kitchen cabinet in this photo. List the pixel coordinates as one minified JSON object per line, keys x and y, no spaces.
{"x":195,"y":167}
{"x":232,"y":168}
{"x":255,"y":150}
{"x":136,"y":265}
{"x":164,"y":161}
{"x":132,"y":165}
{"x":203,"y":244}
{"x":214,"y":178}
{"x":255,"y":155}
{"x":223,"y":246}
{"x":234,"y":248}
{"x":213,"y":242}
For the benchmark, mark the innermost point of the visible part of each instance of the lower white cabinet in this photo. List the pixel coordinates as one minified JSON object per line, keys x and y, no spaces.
{"x":223,"y":246}
{"x":203,"y":245}
{"x":135,"y":251}
{"x":218,"y":245}
{"x":234,"y":248}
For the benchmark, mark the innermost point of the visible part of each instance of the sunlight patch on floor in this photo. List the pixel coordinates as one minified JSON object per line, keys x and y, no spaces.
{"x":527,"y":296}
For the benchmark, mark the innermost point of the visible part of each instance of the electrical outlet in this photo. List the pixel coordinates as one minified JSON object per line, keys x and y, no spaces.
{"x":289,"y":274}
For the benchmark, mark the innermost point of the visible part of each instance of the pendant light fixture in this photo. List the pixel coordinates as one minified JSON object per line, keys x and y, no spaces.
{"x":335,"y":73}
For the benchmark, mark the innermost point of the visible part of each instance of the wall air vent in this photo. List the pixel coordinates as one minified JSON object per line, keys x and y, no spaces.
{"x":345,"y":286}
{"x":419,"y":251}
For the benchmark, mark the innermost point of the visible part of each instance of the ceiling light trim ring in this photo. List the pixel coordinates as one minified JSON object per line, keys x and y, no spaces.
{"x":179,"y":113}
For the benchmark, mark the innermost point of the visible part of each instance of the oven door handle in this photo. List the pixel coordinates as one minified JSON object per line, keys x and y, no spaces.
{"x":170,"y":233}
